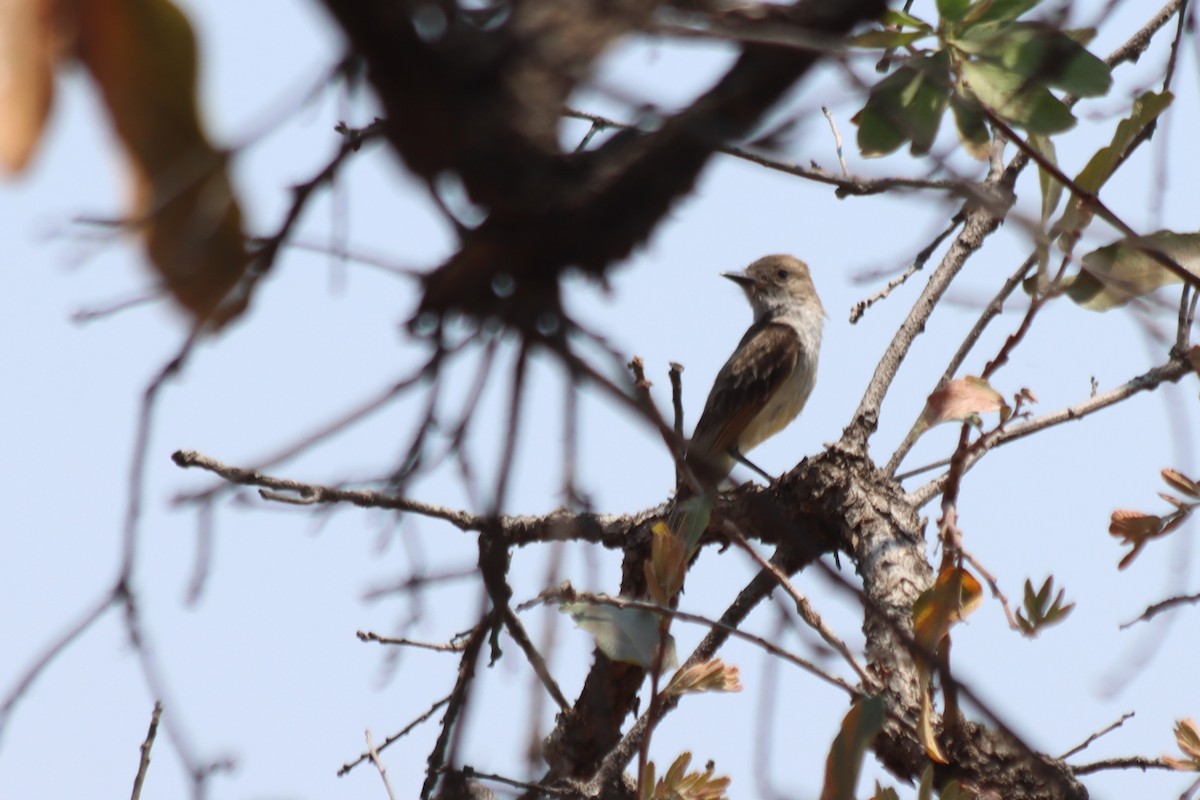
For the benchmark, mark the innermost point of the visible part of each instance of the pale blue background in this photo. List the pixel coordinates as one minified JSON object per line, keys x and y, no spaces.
{"x":266,"y":669}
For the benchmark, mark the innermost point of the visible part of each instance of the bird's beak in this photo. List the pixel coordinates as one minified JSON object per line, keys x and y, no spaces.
{"x":740,"y":278}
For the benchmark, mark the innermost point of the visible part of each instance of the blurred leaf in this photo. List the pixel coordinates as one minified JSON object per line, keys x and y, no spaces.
{"x":1146,"y":109}
{"x":925,"y":787}
{"x":667,"y":565}
{"x":1039,"y":611}
{"x":679,"y":784}
{"x":710,"y":676}
{"x":628,"y":635}
{"x":1193,"y":356}
{"x":902,"y":19}
{"x":1000,"y":10}
{"x":696,"y":512}
{"x":30,"y":47}
{"x":1113,"y":275}
{"x":142,"y":55}
{"x":1181,"y":483}
{"x":885,"y":39}
{"x":1187,"y":737}
{"x":1134,"y":528}
{"x":961,"y":399}
{"x":971,"y":125}
{"x":844,"y":762}
{"x":1017,"y":99}
{"x":1052,"y":190}
{"x":952,"y":10}
{"x":884,"y":793}
{"x":954,"y":595}
{"x":1040,"y":54}
{"x":905,"y":106}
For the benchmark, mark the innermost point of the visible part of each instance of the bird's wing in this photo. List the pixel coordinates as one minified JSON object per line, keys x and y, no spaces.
{"x":763,"y":361}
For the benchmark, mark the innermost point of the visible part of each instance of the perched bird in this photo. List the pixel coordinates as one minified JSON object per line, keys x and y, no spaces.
{"x":766,"y":382}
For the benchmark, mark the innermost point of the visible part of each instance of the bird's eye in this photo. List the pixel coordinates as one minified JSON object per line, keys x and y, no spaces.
{"x":781,"y":274}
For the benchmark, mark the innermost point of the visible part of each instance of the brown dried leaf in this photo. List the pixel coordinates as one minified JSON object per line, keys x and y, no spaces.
{"x":142,"y":55}
{"x":1193,"y":357}
{"x":1181,"y":483}
{"x":1187,"y":737}
{"x":960,"y":399}
{"x":710,"y":676}
{"x":1135,"y":528}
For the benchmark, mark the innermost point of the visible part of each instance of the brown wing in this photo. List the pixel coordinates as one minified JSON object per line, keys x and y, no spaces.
{"x":764,"y":359}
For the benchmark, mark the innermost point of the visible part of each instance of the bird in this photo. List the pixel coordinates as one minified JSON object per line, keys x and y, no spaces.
{"x":768,"y":378}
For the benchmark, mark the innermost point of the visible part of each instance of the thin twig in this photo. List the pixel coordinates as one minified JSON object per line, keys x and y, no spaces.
{"x":144,"y":762}
{"x":837,"y":141}
{"x":1169,"y":372}
{"x":803,"y":607}
{"x":349,"y":765}
{"x":517,"y":631}
{"x":1128,"y":715}
{"x":1161,"y":606}
{"x":918,"y":263}
{"x":373,"y":754}
{"x":453,"y":646}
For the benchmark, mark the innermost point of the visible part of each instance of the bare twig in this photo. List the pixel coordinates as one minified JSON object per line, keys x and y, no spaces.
{"x":373,"y":754}
{"x":803,"y":607}
{"x":144,"y":762}
{"x":453,"y":646}
{"x":457,"y":702}
{"x":1161,"y":606}
{"x":1128,"y":715}
{"x":918,"y":263}
{"x":517,"y":631}
{"x":1169,"y":372}
{"x":1129,"y":762}
{"x":837,"y":141}
{"x":349,"y":765}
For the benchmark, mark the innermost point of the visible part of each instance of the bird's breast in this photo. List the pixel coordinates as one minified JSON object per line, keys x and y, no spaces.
{"x":783,"y":407}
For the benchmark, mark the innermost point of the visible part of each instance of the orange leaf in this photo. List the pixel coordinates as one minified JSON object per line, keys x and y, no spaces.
{"x":142,"y":55}
{"x":30,"y":45}
{"x":954,"y":595}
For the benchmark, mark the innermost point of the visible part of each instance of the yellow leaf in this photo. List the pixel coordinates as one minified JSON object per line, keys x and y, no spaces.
{"x":142,"y":55}
{"x":954,"y":595}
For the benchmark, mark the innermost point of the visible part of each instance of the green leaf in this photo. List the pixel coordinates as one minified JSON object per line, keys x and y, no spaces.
{"x":902,"y":19}
{"x":1115,"y":274}
{"x":628,"y":635}
{"x":1001,"y":10}
{"x":1039,"y":612}
{"x":907,"y":105}
{"x":1014,"y":98}
{"x":1051,"y":189}
{"x":952,"y":10}
{"x":844,"y":762}
{"x":971,"y":125}
{"x":1039,"y":52}
{"x":1146,"y":109}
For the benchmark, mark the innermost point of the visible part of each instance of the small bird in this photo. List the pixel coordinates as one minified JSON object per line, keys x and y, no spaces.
{"x":766,"y":382}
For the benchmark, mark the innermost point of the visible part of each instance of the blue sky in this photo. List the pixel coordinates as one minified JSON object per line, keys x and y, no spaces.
{"x":264,"y":667}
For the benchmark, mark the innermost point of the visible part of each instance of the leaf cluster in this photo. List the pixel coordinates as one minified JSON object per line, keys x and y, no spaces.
{"x":983,"y":59}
